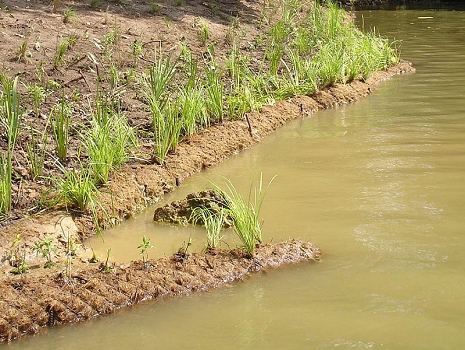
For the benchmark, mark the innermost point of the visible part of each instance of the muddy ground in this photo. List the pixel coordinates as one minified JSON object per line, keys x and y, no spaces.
{"x":76,"y":288}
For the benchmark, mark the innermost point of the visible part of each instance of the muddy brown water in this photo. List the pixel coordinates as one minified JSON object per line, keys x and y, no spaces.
{"x":378,"y":185}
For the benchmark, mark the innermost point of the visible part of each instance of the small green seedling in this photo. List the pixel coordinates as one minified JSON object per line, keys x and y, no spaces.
{"x":143,"y":249}
{"x":45,"y":247}
{"x":15,"y":259}
{"x":107,"y":267}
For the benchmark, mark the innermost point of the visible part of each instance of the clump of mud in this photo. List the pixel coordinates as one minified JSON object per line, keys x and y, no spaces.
{"x":180,"y":212}
{"x":31,"y":302}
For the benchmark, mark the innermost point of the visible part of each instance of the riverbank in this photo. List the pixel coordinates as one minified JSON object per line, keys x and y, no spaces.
{"x":94,"y":137}
{"x":38,"y":217}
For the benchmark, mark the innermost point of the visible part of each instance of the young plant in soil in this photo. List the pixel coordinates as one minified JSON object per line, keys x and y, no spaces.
{"x":46,"y":248}
{"x":203,"y":32}
{"x":215,"y":91}
{"x":213,"y":222}
{"x":193,"y":110}
{"x":106,"y":267}
{"x":65,"y":44}
{"x":69,"y":16}
{"x":10,"y":122}
{"x":167,"y":128}
{"x":143,"y":249}
{"x":37,"y":93}
{"x":245,"y":213}
{"x":107,"y":140}
{"x":21,"y":54}
{"x":77,"y":188}
{"x":15,"y":259}
{"x":161,"y":74}
{"x":36,"y":152}
{"x":60,"y":119}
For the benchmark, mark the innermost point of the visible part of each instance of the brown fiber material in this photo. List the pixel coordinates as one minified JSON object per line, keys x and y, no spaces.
{"x":31,"y":302}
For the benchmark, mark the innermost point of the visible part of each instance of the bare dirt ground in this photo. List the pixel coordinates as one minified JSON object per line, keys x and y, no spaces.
{"x":30,"y":33}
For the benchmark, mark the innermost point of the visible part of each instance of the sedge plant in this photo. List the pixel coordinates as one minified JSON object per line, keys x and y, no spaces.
{"x":245,"y":213}
{"x":36,"y":151}
{"x":60,"y":119}
{"x":213,"y":221}
{"x":107,"y":141}
{"x":160,"y":76}
{"x":193,"y":110}
{"x":10,"y":123}
{"x":77,"y":188}
{"x":37,"y":93}
{"x":167,"y":128}
{"x":215,"y":91}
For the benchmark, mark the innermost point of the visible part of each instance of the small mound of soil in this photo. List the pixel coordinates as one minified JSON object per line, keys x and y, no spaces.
{"x":31,"y":302}
{"x":180,"y":212}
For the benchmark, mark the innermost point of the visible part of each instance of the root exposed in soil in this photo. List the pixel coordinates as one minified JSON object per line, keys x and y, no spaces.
{"x":29,"y":303}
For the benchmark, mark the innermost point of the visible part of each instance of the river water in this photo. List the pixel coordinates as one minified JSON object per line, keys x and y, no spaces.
{"x":378,"y":185}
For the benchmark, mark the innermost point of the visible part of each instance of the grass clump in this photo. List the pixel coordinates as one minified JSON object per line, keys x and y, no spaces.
{"x":77,"y":189}
{"x":60,"y":119}
{"x":167,"y":128}
{"x":10,"y":122}
{"x":213,"y":222}
{"x":38,"y":94}
{"x":215,"y":91}
{"x":107,"y":140}
{"x":65,"y":44}
{"x":245,"y":213}
{"x":160,"y":76}
{"x":36,"y":152}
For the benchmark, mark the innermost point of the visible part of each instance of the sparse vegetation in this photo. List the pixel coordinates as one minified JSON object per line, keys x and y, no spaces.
{"x":120,"y":86}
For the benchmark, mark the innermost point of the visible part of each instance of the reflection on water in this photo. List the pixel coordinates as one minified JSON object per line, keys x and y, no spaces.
{"x":378,"y":185}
